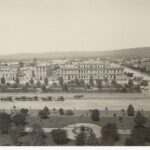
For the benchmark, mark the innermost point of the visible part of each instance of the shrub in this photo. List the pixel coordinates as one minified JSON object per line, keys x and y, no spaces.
{"x":114,"y":115}
{"x":95,"y":115}
{"x":81,"y":139}
{"x":24,"y":111}
{"x":69,"y":112}
{"x":109,"y":134}
{"x":130,"y":110}
{"x":140,"y":119}
{"x":15,"y":133}
{"x":44,"y":113}
{"x":5,"y":122}
{"x":59,"y":136}
{"x":18,"y":119}
{"x":92,"y":140}
{"x":61,"y":111}
{"x":38,"y":136}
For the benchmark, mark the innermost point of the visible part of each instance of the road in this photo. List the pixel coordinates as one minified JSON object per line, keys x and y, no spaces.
{"x":137,"y":73}
{"x":112,"y":104}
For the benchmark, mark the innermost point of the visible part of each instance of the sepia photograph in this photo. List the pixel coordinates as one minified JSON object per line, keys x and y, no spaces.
{"x":74,"y":73}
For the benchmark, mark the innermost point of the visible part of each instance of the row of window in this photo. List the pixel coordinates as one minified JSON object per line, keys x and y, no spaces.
{"x":94,"y":77}
{"x":91,"y":71}
{"x":92,"y":66}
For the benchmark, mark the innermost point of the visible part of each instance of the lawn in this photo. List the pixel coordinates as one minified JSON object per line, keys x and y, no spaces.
{"x":63,"y":121}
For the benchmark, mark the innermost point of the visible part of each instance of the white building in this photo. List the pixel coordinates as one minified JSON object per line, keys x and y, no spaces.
{"x":8,"y":74}
{"x":88,"y":70}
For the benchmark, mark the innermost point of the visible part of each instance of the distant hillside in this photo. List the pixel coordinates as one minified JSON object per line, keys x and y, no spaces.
{"x":142,"y":51}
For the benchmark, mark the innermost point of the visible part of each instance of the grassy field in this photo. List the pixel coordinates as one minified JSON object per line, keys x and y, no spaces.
{"x":63,"y":121}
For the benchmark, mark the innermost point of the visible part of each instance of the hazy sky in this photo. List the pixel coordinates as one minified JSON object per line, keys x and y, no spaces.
{"x":65,"y":25}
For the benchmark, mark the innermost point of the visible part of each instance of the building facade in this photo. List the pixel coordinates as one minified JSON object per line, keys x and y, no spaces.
{"x":8,"y":74}
{"x":37,"y":73}
{"x":86,"y":71}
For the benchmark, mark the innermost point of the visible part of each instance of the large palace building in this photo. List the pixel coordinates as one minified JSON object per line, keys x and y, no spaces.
{"x":87,"y":70}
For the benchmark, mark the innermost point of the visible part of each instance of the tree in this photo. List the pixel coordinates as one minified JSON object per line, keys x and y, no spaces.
{"x":130,"y":110}
{"x":19,"y":119}
{"x":65,"y":87}
{"x":124,"y":90}
{"x":31,"y":81}
{"x":5,"y":122}
{"x":81,"y":139}
{"x":44,"y":89}
{"x":139,"y":119}
{"x":61,"y":111}
{"x":114,"y":83}
{"x":82,"y":82}
{"x":144,"y":83}
{"x":95,"y":115}
{"x":69,"y":112}
{"x":44,"y":113}
{"x":27,"y":84}
{"x":38,"y":84}
{"x":61,"y":81}
{"x":91,"y":81}
{"x":25,"y":88}
{"x":24,"y":111}
{"x":138,"y":136}
{"x":77,"y":82}
{"x":21,"y":64}
{"x":120,"y":119}
{"x":106,"y":79}
{"x":138,"y":88}
{"x":15,"y":132}
{"x":131,"y":83}
{"x":17,"y":82}
{"x":109,"y":134}
{"x":3,"y":81}
{"x":99,"y":83}
{"x":37,"y":136}
{"x":46,"y":81}
{"x":59,"y":136}
{"x":92,"y":140}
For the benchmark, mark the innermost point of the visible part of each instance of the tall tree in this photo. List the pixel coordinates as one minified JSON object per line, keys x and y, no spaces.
{"x":130,"y":110}
{"x":92,"y":140}
{"x":59,"y":136}
{"x":19,"y":119}
{"x":65,"y":87}
{"x":61,"y":81}
{"x":99,"y":83}
{"x":15,"y":132}
{"x":109,"y":134}
{"x":37,"y":136}
{"x":38,"y":84}
{"x":131,"y":83}
{"x":95,"y":115}
{"x":81,"y":139}
{"x":140,"y":120}
{"x":46,"y":81}
{"x":77,"y":82}
{"x":91,"y":81}
{"x":31,"y":81}
{"x":17,"y":82}
{"x":5,"y":122}
{"x":3,"y":81}
{"x":21,"y":64}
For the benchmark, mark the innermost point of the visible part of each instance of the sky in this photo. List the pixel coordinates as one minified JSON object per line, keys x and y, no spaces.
{"x":73,"y":25}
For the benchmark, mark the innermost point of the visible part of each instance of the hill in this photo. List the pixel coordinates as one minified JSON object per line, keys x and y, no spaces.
{"x":131,"y":52}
